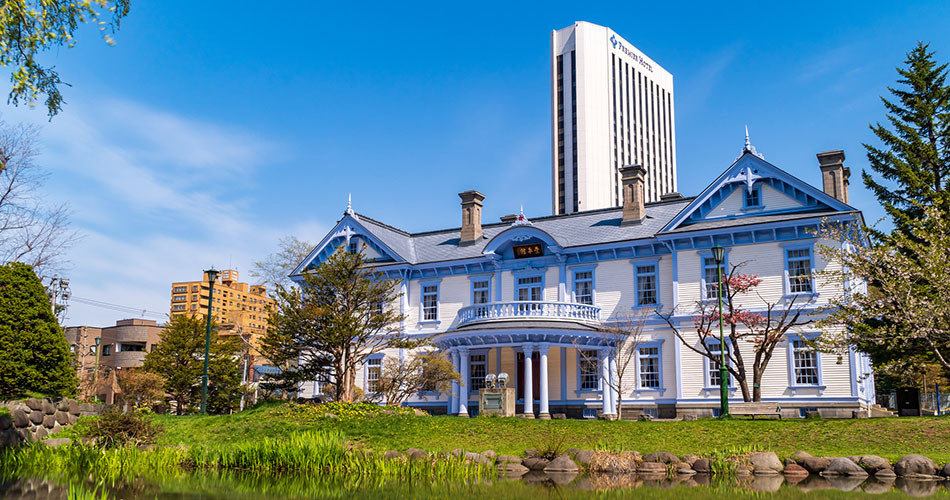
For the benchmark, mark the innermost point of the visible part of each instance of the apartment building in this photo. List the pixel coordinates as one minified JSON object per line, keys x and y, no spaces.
{"x":237,"y":308}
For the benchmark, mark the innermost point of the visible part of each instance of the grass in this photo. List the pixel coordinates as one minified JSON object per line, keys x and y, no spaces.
{"x":890,"y":438}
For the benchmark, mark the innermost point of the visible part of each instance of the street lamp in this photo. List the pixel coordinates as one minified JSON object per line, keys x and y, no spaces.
{"x":719,"y":254}
{"x":95,"y":374}
{"x":212,"y":277}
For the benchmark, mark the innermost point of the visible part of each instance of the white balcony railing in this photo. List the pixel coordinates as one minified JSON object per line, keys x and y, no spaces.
{"x":499,"y":311}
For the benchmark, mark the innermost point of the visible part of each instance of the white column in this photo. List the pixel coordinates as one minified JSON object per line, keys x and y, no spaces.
{"x":604,"y":378}
{"x":528,"y":380}
{"x":543,"y":412}
{"x":614,"y":383}
{"x":454,"y":395}
{"x":466,"y":383}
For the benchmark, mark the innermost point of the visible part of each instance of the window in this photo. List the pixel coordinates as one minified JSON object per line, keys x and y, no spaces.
{"x":194,"y":306}
{"x":480,"y":291}
{"x":529,"y":289}
{"x":649,"y":358}
{"x":806,"y":363}
{"x":478,"y":368}
{"x":588,"y":370}
{"x":430,"y":302}
{"x":584,"y":287}
{"x":194,"y":288}
{"x":354,"y":246}
{"x":798,"y":262}
{"x":378,"y":308}
{"x":194,"y":297}
{"x":646,"y":284}
{"x":373,"y":369}
{"x":107,"y":350}
{"x":711,"y":277}
{"x":589,"y":412}
{"x":179,"y":289}
{"x":178,"y":298}
{"x":714,"y":374}
{"x":178,"y":307}
{"x":753,"y":198}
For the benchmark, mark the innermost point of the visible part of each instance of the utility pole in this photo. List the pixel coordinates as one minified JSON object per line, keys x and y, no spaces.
{"x":58,"y":289}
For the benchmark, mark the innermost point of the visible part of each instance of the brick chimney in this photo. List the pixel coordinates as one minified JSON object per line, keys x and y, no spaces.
{"x":834,"y":175}
{"x":471,"y":217}
{"x":633,"y":199}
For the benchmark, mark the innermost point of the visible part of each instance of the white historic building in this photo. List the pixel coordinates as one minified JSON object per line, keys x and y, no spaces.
{"x":524,"y":296}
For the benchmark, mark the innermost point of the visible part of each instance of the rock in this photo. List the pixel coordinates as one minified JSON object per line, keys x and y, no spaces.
{"x":531,"y":453}
{"x":798,"y":456}
{"x":5,"y":422}
{"x":410,"y":451}
{"x":535,"y":463}
{"x":418,"y":455}
{"x":36,"y":417}
{"x":854,"y":458}
{"x":661,"y":457}
{"x":873,"y":463}
{"x":55,"y":430}
{"x":48,"y":407}
{"x":652,"y":468}
{"x":843,"y":467}
{"x":702,"y":466}
{"x":766,"y":483}
{"x":685,"y":469}
{"x":71,"y":418}
{"x":562,"y":463}
{"x":790,"y":461}
{"x":945,"y":472}
{"x":62,"y":418}
{"x":476,"y":458}
{"x":583,"y":457}
{"x":512,"y":469}
{"x":20,"y":418}
{"x":49,"y":421}
{"x":53,"y":443}
{"x":508,"y":459}
{"x":40,"y":433}
{"x":73,"y":407}
{"x":689,"y":417}
{"x":606,"y":462}
{"x":815,"y":465}
{"x":689,"y":459}
{"x":457,"y":452}
{"x":917,"y":487}
{"x":571,"y":451}
{"x":392,"y":455}
{"x":490,"y":454}
{"x":887,"y":474}
{"x":795,"y":470}
{"x":62,"y":405}
{"x":34,"y":404}
{"x":765,"y":462}
{"x":915,"y":466}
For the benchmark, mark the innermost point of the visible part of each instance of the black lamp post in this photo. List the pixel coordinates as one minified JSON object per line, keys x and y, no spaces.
{"x":95,"y":374}
{"x":212,"y":277}
{"x":719,"y":254}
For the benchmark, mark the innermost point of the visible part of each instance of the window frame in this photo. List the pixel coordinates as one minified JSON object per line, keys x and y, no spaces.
{"x":658,"y":345}
{"x":471,"y":369}
{"x":366,"y":372}
{"x":479,"y":279}
{"x":707,"y":254}
{"x":575,"y":270}
{"x":580,"y":375}
{"x":787,"y":283}
{"x":655,"y":262}
{"x":524,"y":274}
{"x":423,"y":284}
{"x":790,"y":349}
{"x":707,"y":379}
{"x":746,"y":206}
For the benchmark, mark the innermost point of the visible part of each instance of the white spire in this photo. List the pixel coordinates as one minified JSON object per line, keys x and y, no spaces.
{"x":521,"y":220}
{"x":749,"y":147}
{"x":349,"y":205}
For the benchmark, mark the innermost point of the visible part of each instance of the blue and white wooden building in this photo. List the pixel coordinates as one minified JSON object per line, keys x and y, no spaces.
{"x":523,"y":296}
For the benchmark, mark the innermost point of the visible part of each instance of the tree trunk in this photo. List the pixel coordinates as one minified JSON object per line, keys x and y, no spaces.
{"x":756,"y":385}
{"x":744,"y":385}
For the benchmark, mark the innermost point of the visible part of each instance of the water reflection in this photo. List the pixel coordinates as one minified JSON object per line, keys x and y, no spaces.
{"x":231,"y":485}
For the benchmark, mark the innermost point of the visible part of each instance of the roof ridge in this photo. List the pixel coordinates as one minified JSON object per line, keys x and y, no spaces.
{"x":383,"y":224}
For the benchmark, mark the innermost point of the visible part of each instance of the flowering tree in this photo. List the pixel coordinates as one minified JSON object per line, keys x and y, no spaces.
{"x":764,"y":328}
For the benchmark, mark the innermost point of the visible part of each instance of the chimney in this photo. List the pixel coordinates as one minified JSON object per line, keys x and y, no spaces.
{"x":834,"y":175}
{"x":632,"y":178}
{"x":471,"y":217}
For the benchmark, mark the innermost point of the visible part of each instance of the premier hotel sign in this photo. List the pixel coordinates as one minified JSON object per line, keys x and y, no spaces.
{"x":617,"y":44}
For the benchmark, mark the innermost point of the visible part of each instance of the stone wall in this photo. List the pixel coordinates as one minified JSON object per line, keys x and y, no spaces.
{"x":35,"y":419}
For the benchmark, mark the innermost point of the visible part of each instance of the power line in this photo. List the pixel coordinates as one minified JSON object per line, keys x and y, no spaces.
{"x":118,"y":307}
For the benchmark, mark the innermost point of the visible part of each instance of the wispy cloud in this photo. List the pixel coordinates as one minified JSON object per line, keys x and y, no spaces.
{"x":697,"y":89}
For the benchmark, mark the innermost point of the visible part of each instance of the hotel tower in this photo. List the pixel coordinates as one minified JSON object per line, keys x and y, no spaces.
{"x":611,"y":106}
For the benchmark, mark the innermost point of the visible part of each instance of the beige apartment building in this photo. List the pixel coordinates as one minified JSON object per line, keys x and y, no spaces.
{"x":237,"y":308}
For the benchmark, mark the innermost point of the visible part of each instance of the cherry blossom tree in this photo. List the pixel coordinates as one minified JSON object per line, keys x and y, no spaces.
{"x":763,"y":328}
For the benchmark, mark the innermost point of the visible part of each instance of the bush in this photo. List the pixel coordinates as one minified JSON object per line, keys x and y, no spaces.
{"x":115,"y":429}
{"x":306,"y":412}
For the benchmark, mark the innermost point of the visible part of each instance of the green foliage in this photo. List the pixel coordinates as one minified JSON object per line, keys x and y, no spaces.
{"x":29,"y":27}
{"x":335,"y":409}
{"x":179,"y":359}
{"x":34,"y":354}
{"x":915,"y":158}
{"x":78,"y":491}
{"x":115,"y":429}
{"x":329,"y":326}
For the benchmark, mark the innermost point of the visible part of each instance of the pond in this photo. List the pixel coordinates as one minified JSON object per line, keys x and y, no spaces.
{"x":233,"y":485}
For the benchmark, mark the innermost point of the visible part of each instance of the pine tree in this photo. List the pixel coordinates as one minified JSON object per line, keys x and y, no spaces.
{"x":914,"y":161}
{"x":34,"y":354}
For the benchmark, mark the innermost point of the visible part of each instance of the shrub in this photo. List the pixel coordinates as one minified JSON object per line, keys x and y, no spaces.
{"x":115,"y":429}
{"x":335,"y":409}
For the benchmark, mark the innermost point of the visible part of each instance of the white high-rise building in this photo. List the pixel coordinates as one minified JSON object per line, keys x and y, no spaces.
{"x":611,"y":106}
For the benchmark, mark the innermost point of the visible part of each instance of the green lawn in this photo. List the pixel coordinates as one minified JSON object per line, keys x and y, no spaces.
{"x":890,"y":438}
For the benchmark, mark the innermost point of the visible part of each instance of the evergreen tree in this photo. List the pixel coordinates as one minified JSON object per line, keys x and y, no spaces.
{"x":34,"y":354}
{"x":179,"y":359}
{"x":914,"y":161}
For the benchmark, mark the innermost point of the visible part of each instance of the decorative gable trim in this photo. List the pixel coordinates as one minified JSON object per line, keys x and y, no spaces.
{"x":348,"y":227}
{"x":748,"y":171}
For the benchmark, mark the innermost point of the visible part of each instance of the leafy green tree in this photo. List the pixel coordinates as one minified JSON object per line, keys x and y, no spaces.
{"x":34,"y":354}
{"x":179,"y":359}
{"x":29,"y":27}
{"x":324,"y":330}
{"x":914,"y":161}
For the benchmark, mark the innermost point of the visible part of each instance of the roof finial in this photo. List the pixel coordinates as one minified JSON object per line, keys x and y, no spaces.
{"x":749,"y":148}
{"x":521,"y":220}
{"x":349,"y":205}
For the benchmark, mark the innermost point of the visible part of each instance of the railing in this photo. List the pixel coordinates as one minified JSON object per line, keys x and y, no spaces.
{"x":499,"y":311}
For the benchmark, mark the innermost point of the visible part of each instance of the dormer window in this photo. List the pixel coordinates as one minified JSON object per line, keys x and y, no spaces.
{"x":753,"y":198}
{"x":354,"y":246}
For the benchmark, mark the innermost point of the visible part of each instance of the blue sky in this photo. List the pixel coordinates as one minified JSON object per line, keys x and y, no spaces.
{"x":212,"y":129}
